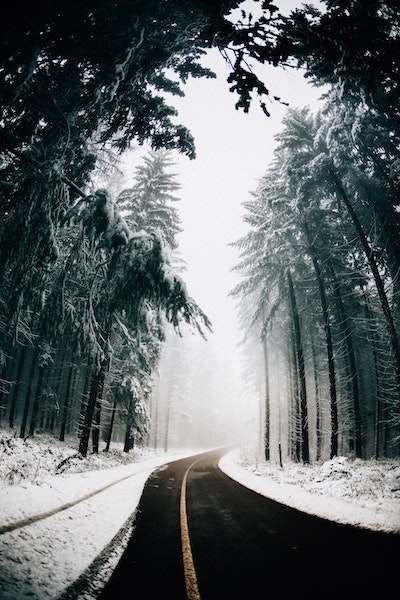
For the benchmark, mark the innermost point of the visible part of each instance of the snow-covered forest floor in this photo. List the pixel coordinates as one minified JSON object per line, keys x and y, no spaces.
{"x":40,"y":474}
{"x":363,"y":493}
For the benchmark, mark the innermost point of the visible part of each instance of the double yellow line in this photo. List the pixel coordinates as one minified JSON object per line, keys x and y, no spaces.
{"x":192,"y":588}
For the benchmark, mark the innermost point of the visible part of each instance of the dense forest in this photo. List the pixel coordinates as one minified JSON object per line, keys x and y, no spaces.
{"x":320,"y":284}
{"x":91,"y":282}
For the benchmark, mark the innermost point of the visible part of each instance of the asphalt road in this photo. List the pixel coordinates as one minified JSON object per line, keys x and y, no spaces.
{"x":242,"y":546}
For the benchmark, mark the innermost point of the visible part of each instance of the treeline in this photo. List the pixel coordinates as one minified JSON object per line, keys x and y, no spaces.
{"x":81,"y":359}
{"x":320,"y":287}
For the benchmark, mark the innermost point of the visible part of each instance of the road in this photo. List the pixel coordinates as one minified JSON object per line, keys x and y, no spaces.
{"x":202,"y":536}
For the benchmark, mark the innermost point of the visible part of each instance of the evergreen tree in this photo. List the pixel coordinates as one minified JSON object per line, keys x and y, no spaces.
{"x":352,"y":46}
{"x":148,"y":205}
{"x":310,"y":215}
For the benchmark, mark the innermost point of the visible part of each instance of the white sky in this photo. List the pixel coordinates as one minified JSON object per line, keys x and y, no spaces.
{"x":234,"y":150}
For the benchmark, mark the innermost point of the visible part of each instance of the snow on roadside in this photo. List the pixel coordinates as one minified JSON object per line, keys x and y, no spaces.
{"x":28,"y":499}
{"x":353,"y":492}
{"x":41,"y":561}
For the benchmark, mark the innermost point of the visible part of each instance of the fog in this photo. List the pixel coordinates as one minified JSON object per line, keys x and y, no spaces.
{"x":206,"y":392}
{"x":196,"y":400}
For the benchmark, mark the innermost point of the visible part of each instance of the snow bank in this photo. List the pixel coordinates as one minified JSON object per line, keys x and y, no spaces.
{"x":353,"y":492}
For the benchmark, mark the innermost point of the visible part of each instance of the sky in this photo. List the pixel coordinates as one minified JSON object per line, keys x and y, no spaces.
{"x":41,"y":560}
{"x":234,"y":150}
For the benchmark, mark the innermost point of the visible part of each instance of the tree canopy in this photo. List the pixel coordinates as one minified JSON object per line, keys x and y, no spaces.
{"x":352,"y":45}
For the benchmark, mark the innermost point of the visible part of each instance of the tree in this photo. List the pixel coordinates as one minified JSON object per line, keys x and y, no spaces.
{"x":77,"y":78}
{"x":299,"y":354}
{"x":328,"y":338}
{"x":148,"y":205}
{"x":79,"y":81}
{"x":310,"y":215}
{"x":270,"y":246}
{"x":137,"y":276}
{"x":352,"y":46}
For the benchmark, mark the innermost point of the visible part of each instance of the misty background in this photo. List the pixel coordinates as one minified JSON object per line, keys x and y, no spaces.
{"x":204,"y":394}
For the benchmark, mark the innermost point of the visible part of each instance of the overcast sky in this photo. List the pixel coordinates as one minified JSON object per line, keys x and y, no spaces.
{"x":234,"y":150}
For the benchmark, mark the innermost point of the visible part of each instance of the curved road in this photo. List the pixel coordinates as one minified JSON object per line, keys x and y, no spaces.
{"x":202,"y":536}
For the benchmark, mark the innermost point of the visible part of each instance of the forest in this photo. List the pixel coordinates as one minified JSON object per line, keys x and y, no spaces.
{"x":91,"y":281}
{"x":319,"y":287}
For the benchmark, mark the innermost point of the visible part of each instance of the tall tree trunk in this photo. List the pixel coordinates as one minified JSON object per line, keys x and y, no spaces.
{"x":21,"y":354}
{"x":380,"y":421}
{"x":67,"y":402}
{"x":8,"y":349}
{"x":318,"y":424}
{"x":348,"y":339}
{"x":156,"y":406}
{"x":166,"y":435}
{"x":267,"y":402}
{"x":36,"y":401}
{"x":168,"y":411}
{"x":128,"y":428}
{"x":27,"y":403}
{"x":96,"y":385}
{"x":95,"y":391}
{"x":293,"y":403}
{"x":85,"y":396}
{"x":329,"y":345}
{"x":61,"y":381}
{"x":96,"y":425}
{"x":305,"y":449}
{"x":111,"y":426}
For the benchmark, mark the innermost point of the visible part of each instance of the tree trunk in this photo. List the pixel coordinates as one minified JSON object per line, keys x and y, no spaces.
{"x":351,"y":360}
{"x":95,"y":392}
{"x":14,"y":393}
{"x":85,"y":396}
{"x":305,"y":449}
{"x":111,"y":427}
{"x":318,"y":424}
{"x":293,"y":404}
{"x":267,"y":402}
{"x":168,"y":416}
{"x":155,"y":409}
{"x":128,"y":429}
{"x":29,"y":388}
{"x":96,"y":425}
{"x":329,"y":345}
{"x":380,"y":421}
{"x":67,"y":402}
{"x":36,"y":401}
{"x":96,"y":384}
{"x":6,"y":375}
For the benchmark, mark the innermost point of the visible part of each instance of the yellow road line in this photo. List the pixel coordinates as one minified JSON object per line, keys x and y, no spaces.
{"x":192,"y":588}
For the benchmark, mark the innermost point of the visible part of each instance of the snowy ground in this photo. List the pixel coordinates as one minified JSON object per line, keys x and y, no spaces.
{"x":37,"y":476}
